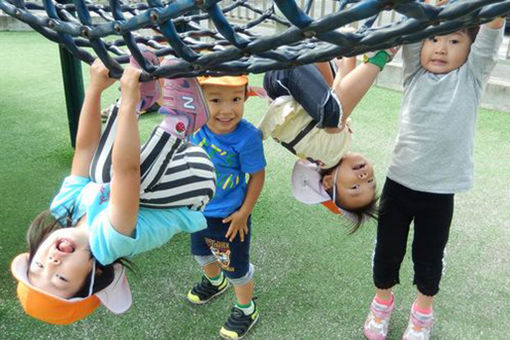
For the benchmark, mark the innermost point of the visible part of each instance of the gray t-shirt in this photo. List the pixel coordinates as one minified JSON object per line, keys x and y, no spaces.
{"x":434,"y":148}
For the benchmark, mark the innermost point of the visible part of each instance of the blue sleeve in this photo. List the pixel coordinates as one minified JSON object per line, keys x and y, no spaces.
{"x":66,"y":199}
{"x":251,"y":156}
{"x":154,"y":228}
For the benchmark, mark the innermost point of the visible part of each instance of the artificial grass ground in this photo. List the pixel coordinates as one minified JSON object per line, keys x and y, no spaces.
{"x":313,"y":280}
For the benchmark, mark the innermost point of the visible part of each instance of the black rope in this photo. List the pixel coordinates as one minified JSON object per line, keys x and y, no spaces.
{"x":211,"y":45}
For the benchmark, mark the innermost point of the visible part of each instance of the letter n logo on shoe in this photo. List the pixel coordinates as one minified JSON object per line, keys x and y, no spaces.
{"x":188,"y":102}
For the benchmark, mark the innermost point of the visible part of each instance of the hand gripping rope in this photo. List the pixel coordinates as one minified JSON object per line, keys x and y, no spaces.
{"x":206,"y":43}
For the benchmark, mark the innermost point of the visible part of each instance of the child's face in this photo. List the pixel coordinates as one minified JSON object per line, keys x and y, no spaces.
{"x":355,"y":185}
{"x":62,"y":262}
{"x":445,"y":53}
{"x":226,"y":106}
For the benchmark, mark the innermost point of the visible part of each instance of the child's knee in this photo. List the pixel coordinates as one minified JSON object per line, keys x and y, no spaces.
{"x":243,"y":279}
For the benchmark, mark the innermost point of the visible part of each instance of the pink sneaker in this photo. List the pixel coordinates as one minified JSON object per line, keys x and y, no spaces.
{"x":378,"y":320}
{"x":419,"y":326}
{"x":184,"y":96}
{"x":150,"y":91}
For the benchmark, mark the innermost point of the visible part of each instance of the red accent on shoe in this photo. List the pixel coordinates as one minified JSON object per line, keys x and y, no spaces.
{"x":180,"y":127}
{"x":184,"y":96}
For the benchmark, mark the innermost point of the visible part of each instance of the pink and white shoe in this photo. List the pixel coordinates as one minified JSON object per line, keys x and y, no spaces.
{"x":419,"y":326}
{"x":150,"y":91}
{"x":184,"y":96}
{"x":378,"y":320}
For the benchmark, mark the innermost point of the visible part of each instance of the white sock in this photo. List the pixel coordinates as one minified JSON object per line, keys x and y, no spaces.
{"x":216,"y":281}
{"x":246,"y":310}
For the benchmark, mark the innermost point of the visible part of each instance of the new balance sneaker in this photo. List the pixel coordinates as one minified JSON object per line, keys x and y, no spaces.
{"x":419,"y":326}
{"x":378,"y":320}
{"x":204,"y":291}
{"x":150,"y":91}
{"x":239,"y":324}
{"x":184,"y":96}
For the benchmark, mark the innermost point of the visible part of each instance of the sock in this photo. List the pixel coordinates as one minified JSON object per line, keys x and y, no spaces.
{"x":423,"y":311}
{"x":386,"y":303}
{"x":217,"y":280}
{"x":175,"y":124}
{"x":247,"y":309}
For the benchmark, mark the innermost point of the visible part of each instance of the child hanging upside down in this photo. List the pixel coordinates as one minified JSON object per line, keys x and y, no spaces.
{"x":119,"y":200}
{"x":311,"y":119}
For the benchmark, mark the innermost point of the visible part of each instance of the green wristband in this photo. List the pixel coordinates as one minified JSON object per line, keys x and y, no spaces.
{"x":380,"y":59}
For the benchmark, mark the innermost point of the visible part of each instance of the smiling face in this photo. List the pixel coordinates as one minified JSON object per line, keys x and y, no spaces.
{"x":445,"y":53}
{"x":355,"y":182}
{"x":226,"y":106}
{"x":62,"y":262}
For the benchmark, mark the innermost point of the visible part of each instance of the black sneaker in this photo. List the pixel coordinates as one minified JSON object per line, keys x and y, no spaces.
{"x":205,"y":291}
{"x":238,"y":324}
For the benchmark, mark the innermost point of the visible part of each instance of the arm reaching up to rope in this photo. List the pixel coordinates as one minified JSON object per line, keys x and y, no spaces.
{"x":116,"y":204}
{"x":310,"y":119}
{"x":89,"y":127}
{"x":437,"y":125}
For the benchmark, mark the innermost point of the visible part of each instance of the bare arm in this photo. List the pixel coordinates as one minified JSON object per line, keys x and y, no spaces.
{"x":351,"y":88}
{"x":89,"y":125}
{"x":238,"y":219}
{"x":125,"y":187}
{"x":327,"y":73}
{"x":345,"y":65}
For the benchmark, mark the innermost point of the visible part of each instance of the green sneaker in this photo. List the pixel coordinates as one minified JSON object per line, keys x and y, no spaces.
{"x":205,"y":291}
{"x":238,"y":324}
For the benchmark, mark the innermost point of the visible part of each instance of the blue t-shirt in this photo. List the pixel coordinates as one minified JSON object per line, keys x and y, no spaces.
{"x":154,"y":227}
{"x":234,"y":155}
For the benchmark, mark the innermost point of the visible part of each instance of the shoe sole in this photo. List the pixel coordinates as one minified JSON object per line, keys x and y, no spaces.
{"x":197,"y":99}
{"x":211,"y":297}
{"x":247,"y":331}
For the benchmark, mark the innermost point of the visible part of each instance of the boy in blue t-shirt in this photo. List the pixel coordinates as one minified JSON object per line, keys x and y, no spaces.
{"x":235,"y":148}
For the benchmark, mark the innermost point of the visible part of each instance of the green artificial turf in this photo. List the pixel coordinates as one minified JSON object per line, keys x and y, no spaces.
{"x":313,"y":280}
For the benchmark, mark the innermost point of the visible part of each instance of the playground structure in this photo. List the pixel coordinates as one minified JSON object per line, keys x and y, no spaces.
{"x":199,"y":34}
{"x":178,"y":30}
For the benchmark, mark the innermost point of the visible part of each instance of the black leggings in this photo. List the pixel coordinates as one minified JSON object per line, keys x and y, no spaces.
{"x":432,"y":215}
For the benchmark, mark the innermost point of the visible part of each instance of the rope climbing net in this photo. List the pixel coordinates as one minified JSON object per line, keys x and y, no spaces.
{"x":200,"y":35}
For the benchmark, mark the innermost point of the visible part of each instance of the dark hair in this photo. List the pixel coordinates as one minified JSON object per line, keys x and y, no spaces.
{"x":359,"y":214}
{"x":363,"y":214}
{"x":44,"y":224}
{"x":472,"y":32}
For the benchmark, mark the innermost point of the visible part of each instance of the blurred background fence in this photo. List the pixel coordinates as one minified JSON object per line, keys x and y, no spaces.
{"x":497,"y":94}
